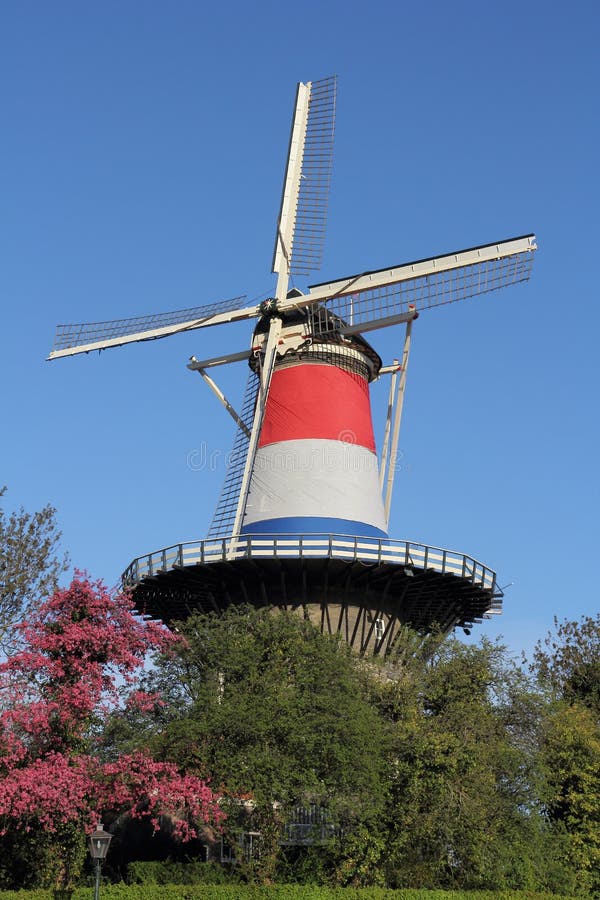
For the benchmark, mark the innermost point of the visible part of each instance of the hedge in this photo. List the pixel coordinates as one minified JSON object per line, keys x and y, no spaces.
{"x":173,"y":872}
{"x":278,"y":892}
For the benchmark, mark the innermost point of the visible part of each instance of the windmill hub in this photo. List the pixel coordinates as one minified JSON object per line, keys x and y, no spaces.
{"x":268,"y":307}
{"x":302,"y":522}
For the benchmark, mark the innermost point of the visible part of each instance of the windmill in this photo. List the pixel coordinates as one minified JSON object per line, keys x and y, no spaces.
{"x":302,"y":520}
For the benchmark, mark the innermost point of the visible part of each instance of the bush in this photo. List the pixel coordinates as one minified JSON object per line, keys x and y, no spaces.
{"x":174,"y":872}
{"x":278,"y":892}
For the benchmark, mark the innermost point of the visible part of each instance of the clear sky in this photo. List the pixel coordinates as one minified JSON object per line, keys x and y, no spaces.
{"x":141,"y":159}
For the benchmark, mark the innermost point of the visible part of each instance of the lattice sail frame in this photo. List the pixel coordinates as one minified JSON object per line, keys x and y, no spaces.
{"x":302,"y":215}
{"x":87,"y":336}
{"x":385,"y":304}
{"x":362,"y":302}
{"x":317,"y":163}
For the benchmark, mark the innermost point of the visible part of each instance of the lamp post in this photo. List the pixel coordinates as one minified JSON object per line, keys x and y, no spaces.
{"x":98,"y":844}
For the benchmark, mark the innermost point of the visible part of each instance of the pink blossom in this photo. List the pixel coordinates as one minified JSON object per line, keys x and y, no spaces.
{"x":80,"y":648}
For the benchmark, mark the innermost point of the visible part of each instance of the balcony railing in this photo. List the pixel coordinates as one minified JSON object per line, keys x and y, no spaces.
{"x":414,"y":557}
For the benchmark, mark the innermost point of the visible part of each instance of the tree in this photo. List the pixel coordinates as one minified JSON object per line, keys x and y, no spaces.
{"x":30,"y":564}
{"x":571,"y":756}
{"x":82,"y":650}
{"x":463,"y":804}
{"x":430,"y":763}
{"x":569,"y":661}
{"x":276,"y":713}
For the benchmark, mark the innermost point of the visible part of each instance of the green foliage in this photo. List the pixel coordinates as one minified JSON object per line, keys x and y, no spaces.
{"x":353,"y":859}
{"x":42,"y":858}
{"x":571,"y":755}
{"x":359,"y":857}
{"x":445,"y":767}
{"x":278,"y":892}
{"x":429,"y":764}
{"x":463,"y":808}
{"x":569,"y":661}
{"x":173,"y":872}
{"x":30,"y":564}
{"x":275,"y":710}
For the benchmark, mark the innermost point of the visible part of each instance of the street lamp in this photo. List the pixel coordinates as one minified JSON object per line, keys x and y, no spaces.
{"x":98,"y":844}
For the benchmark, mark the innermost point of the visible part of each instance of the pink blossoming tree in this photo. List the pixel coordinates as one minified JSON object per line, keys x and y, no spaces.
{"x":82,"y":653}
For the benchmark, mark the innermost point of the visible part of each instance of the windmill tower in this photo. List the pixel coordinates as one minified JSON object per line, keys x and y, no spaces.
{"x":302,"y":521}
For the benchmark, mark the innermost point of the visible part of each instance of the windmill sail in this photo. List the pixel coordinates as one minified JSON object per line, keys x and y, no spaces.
{"x":360,"y":302}
{"x":303,"y":213}
{"x":388,"y":296}
{"x":313,"y":198}
{"x":81,"y":338}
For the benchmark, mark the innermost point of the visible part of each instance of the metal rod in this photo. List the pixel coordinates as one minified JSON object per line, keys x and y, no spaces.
{"x":397,"y":420}
{"x":97,"y":881}
{"x":195,"y":364}
{"x":223,"y":399}
{"x":388,"y":423}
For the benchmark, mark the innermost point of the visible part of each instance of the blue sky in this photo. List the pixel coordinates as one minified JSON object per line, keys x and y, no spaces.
{"x":141,"y":162}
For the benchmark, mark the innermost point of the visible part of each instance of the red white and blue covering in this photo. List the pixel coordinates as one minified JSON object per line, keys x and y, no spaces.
{"x":316,"y":469}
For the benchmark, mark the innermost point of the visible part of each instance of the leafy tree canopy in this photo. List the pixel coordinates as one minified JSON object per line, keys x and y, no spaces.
{"x":569,"y":660}
{"x":571,"y":757}
{"x":30,"y":564}
{"x":464,"y":809}
{"x":428,"y":761}
{"x":80,"y":654}
{"x":272,"y":708}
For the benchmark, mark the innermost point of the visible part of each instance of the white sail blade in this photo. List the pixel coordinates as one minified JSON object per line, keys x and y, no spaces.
{"x":358,"y":303}
{"x":302,"y":217}
{"x":388,"y":296}
{"x":82,"y":338}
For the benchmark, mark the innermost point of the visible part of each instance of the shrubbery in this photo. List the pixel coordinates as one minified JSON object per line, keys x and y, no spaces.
{"x":279,"y":892}
{"x":173,"y":872}
{"x":446,"y":768}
